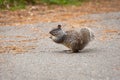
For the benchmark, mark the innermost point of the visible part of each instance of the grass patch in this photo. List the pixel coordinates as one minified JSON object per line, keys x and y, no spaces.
{"x":12,"y":4}
{"x":63,"y":2}
{"x":20,"y":4}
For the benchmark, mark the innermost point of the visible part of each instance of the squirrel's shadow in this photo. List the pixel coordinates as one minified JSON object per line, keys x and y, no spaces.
{"x":88,"y":50}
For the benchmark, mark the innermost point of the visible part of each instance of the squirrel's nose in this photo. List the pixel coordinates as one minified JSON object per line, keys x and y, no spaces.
{"x":50,"y":32}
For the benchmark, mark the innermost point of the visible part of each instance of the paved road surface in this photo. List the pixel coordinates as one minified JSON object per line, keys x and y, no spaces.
{"x":100,"y":60}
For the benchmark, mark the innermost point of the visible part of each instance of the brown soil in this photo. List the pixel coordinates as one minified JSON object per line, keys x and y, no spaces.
{"x":42,"y":13}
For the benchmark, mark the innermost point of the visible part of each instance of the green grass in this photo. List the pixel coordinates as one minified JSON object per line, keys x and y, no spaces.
{"x":63,"y":2}
{"x":20,"y":4}
{"x":12,"y":4}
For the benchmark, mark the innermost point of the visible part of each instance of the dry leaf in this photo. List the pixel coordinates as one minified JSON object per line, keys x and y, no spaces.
{"x":111,"y":31}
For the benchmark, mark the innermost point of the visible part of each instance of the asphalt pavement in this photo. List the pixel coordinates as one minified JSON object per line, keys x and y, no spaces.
{"x":46,"y":60}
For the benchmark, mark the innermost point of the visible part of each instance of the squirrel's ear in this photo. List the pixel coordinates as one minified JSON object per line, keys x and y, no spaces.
{"x":59,"y":26}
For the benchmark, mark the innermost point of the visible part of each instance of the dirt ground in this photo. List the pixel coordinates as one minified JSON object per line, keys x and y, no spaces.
{"x":43,"y":13}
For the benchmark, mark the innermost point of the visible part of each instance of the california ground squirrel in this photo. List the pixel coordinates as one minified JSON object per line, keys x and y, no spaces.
{"x":72,"y":39}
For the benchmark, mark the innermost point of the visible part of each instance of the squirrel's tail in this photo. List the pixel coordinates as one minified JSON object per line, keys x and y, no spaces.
{"x":87,"y":34}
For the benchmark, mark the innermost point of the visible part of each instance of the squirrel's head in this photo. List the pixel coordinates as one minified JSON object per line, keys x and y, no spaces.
{"x":57,"y":32}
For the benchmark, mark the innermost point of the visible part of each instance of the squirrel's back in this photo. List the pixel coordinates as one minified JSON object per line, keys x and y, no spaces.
{"x":78,"y":40}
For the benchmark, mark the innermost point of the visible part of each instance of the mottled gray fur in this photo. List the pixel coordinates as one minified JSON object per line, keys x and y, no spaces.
{"x":72,"y":39}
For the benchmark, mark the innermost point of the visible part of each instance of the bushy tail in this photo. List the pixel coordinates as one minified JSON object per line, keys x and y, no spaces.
{"x":87,"y":34}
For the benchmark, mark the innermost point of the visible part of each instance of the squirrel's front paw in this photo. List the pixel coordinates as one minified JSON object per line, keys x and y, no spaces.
{"x":50,"y":37}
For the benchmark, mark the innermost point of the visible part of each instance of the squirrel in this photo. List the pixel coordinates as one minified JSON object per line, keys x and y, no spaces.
{"x":72,"y":39}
